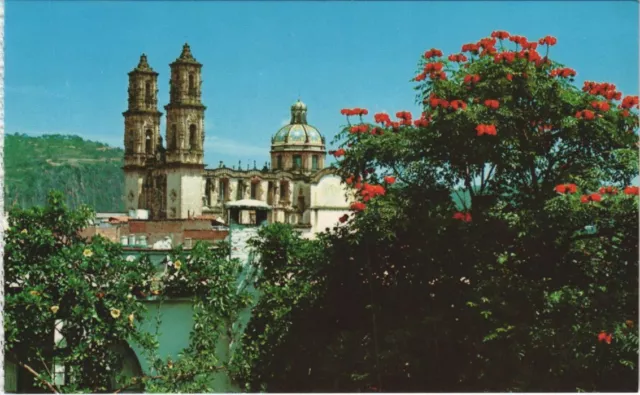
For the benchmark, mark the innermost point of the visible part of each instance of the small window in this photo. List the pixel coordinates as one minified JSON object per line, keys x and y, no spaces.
{"x":254,"y":190}
{"x":297,"y":161}
{"x":193,"y":137}
{"x":174,"y":131}
{"x":149,"y":142}
{"x":222,"y":191}
{"x":284,"y":190}
{"x":240,"y":192}
{"x":279,"y":162}
{"x":314,"y":162}
{"x":147,"y":93}
{"x":192,"y":82}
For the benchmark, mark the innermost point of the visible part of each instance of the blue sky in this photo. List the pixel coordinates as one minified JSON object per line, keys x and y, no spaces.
{"x":67,"y":62}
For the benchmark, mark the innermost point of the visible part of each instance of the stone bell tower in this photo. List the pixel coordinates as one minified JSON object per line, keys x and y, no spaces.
{"x":141,"y":130}
{"x":185,"y":138}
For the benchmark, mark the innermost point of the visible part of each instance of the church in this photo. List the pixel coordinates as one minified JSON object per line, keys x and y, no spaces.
{"x":169,"y":181}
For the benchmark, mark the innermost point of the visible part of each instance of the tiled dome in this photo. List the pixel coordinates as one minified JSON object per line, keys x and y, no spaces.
{"x":298,"y":133}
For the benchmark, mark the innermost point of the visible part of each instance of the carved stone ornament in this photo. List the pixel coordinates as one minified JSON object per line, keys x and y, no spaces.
{"x":174,"y":195}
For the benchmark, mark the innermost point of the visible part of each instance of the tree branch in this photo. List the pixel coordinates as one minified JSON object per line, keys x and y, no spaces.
{"x":28,"y":368}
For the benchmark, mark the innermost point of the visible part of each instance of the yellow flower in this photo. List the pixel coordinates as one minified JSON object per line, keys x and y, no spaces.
{"x":115,"y":313}
{"x":87,"y":253}
{"x":131,"y":319}
{"x":54,"y":309}
{"x":34,"y":293}
{"x":177,"y":265}
{"x":24,"y":231}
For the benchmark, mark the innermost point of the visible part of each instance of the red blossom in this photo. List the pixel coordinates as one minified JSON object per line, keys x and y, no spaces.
{"x":457,"y":58}
{"x":363,"y":128}
{"x":632,"y":190}
{"x":510,"y":77}
{"x":604,"y":89}
{"x":600,"y":105}
{"x":369,"y":191}
{"x":389,"y":179}
{"x":548,"y":40}
{"x":405,"y":117}
{"x":473,"y":48}
{"x":486,"y":129}
{"x":471,"y":79}
{"x":431,"y":67}
{"x":493,"y":104}
{"x":509,"y":57}
{"x":358,"y":206}
{"x":605,"y":337}
{"x":518,"y":40}
{"x":499,"y":34}
{"x":432,"y":53}
{"x":354,"y":111}
{"x":377,"y":131}
{"x":382,"y":118}
{"x":608,"y":190}
{"x":566,"y":188}
{"x":422,"y":122}
{"x":458,"y":104}
{"x":629,"y":102}
{"x":464,"y":217}
{"x":339,"y":152}
{"x":563,"y":72}
{"x":594,"y":197}
{"x":585,"y":114}
{"x":344,"y":218}
{"x":420,"y":77}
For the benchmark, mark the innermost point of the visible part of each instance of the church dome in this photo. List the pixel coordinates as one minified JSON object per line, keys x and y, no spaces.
{"x":298,"y":134}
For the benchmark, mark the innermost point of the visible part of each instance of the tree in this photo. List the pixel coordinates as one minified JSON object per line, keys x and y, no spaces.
{"x":55,"y":279}
{"x":94,"y":297}
{"x":514,"y":291}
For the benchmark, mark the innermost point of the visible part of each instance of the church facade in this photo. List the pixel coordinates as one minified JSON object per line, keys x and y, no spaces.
{"x":171,"y":182}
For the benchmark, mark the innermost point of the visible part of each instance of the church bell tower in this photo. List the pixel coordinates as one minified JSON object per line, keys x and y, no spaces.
{"x":142,"y":130}
{"x":185,"y":138}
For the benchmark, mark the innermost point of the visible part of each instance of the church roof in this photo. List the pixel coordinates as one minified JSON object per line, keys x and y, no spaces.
{"x":298,"y":132}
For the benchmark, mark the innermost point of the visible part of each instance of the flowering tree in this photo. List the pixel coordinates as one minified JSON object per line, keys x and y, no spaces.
{"x":494,"y":242}
{"x":93,"y":297}
{"x":54,"y":279}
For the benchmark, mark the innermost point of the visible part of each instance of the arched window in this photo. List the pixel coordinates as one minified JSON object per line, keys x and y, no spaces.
{"x":314,"y":162}
{"x":193,"y":137}
{"x":149,"y":142}
{"x":192,"y":84}
{"x":174,"y":139}
{"x":297,"y":162}
{"x":147,"y":93}
{"x":279,"y":162}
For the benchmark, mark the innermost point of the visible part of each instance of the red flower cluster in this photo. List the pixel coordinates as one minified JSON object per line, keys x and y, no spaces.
{"x":603,"y":89}
{"x":486,"y":129}
{"x":499,"y":34}
{"x":405,"y":117}
{"x":608,"y":190}
{"x":471,"y":78}
{"x":344,"y":218}
{"x":531,"y":55}
{"x":493,"y":104}
{"x":369,"y":191}
{"x":389,"y":179}
{"x":382,"y":118}
{"x":604,"y":337}
{"x":600,"y":105}
{"x":629,"y":102}
{"x":465,"y":217}
{"x":458,"y":104}
{"x":358,"y":206}
{"x":548,"y":40}
{"x":431,"y":67}
{"x":566,"y":188}
{"x":432,"y":53}
{"x":510,"y":77}
{"x":518,"y":40}
{"x":586,"y":114}
{"x":435,"y":102}
{"x":563,"y":72}
{"x":509,"y":57}
{"x":594,"y":197}
{"x":354,"y":111}
{"x":377,"y":131}
{"x":528,"y":45}
{"x":359,"y":129}
{"x":422,"y":122}
{"x":339,"y":152}
{"x":458,"y":58}
{"x":473,"y":48}
{"x":632,"y":190}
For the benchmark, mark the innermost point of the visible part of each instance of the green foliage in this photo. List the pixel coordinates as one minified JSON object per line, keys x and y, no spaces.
{"x":77,"y":167}
{"x":52,"y":274}
{"x":520,"y":292}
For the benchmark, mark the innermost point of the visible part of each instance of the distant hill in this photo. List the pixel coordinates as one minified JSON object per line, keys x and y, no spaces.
{"x":87,"y":172}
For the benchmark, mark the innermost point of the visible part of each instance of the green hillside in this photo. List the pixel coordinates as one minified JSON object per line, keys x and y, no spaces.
{"x":87,"y":172}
